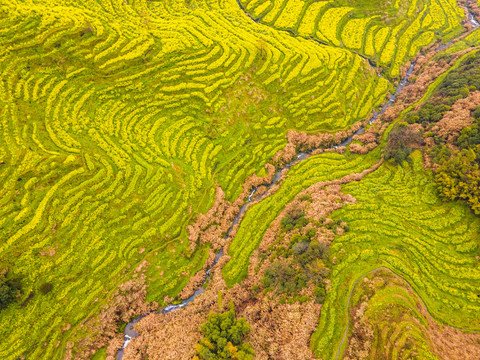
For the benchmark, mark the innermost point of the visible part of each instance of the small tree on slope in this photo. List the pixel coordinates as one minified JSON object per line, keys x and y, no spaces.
{"x":223,"y":339}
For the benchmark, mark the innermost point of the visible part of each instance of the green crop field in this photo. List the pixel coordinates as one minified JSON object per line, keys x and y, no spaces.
{"x":430,"y":244}
{"x":119,"y":119}
{"x":389,"y":33}
{"x":400,"y":323}
{"x":323,"y":167}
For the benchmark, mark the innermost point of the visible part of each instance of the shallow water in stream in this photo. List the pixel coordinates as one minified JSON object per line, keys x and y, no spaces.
{"x":130,"y":333}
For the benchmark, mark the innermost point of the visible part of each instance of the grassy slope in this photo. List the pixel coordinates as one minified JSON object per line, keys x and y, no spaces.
{"x":115,"y":130}
{"x":388,"y":33}
{"x":396,"y":315}
{"x":117,"y":122}
{"x":431,"y":244}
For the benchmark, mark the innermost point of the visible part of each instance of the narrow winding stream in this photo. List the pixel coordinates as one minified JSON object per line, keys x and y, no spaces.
{"x":130,"y":333}
{"x":470,"y":17}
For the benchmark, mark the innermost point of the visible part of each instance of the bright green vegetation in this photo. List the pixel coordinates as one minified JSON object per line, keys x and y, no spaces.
{"x":469,"y":41}
{"x":400,"y":223}
{"x":223,"y":338}
{"x":118,"y":119}
{"x":100,"y":354}
{"x":470,"y":136}
{"x":117,"y":122}
{"x":396,"y":316}
{"x":459,"y":177}
{"x":387,"y":32}
{"x":323,"y":167}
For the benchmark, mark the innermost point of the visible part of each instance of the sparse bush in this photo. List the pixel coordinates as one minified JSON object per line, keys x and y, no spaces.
{"x":316,"y":250}
{"x":295,"y":218}
{"x":401,"y":141}
{"x":283,"y":278}
{"x":470,"y":136}
{"x":429,"y":113}
{"x":439,"y":154}
{"x":45,"y":288}
{"x":476,"y":113}
{"x":309,"y":264}
{"x":320,"y":293}
{"x":300,"y":247}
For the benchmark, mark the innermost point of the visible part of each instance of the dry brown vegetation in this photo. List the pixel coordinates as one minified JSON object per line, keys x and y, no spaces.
{"x":474,"y":7}
{"x":279,"y":331}
{"x":302,"y":141}
{"x":212,"y":226}
{"x":127,"y":302}
{"x":362,"y":337}
{"x":457,"y":118}
{"x":450,"y":343}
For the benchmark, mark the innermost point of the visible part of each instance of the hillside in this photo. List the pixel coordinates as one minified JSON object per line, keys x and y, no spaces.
{"x":288,"y":152}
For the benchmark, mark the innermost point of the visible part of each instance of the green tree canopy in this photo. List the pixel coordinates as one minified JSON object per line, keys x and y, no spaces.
{"x":459,"y":177}
{"x":7,"y":292}
{"x":401,"y":141}
{"x":224,"y":335}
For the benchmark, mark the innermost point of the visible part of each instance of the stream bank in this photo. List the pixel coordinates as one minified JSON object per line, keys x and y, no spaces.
{"x":130,"y":333}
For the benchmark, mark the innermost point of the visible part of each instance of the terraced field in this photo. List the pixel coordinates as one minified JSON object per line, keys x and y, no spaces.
{"x":116,"y":129}
{"x":120,"y":118}
{"x":389,"y":320}
{"x":388,"y":33}
{"x":323,"y":167}
{"x":430,"y":244}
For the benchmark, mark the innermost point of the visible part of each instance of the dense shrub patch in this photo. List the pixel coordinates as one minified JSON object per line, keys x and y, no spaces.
{"x":300,"y":262}
{"x":8,"y":291}
{"x":223,"y":338}
{"x":401,"y":142}
{"x":459,"y":177}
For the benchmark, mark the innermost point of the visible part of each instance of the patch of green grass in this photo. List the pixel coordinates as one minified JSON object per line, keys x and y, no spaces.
{"x":398,"y":222}
{"x":323,"y":167}
{"x":100,"y":354}
{"x":387,"y":33}
{"x":117,"y":123}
